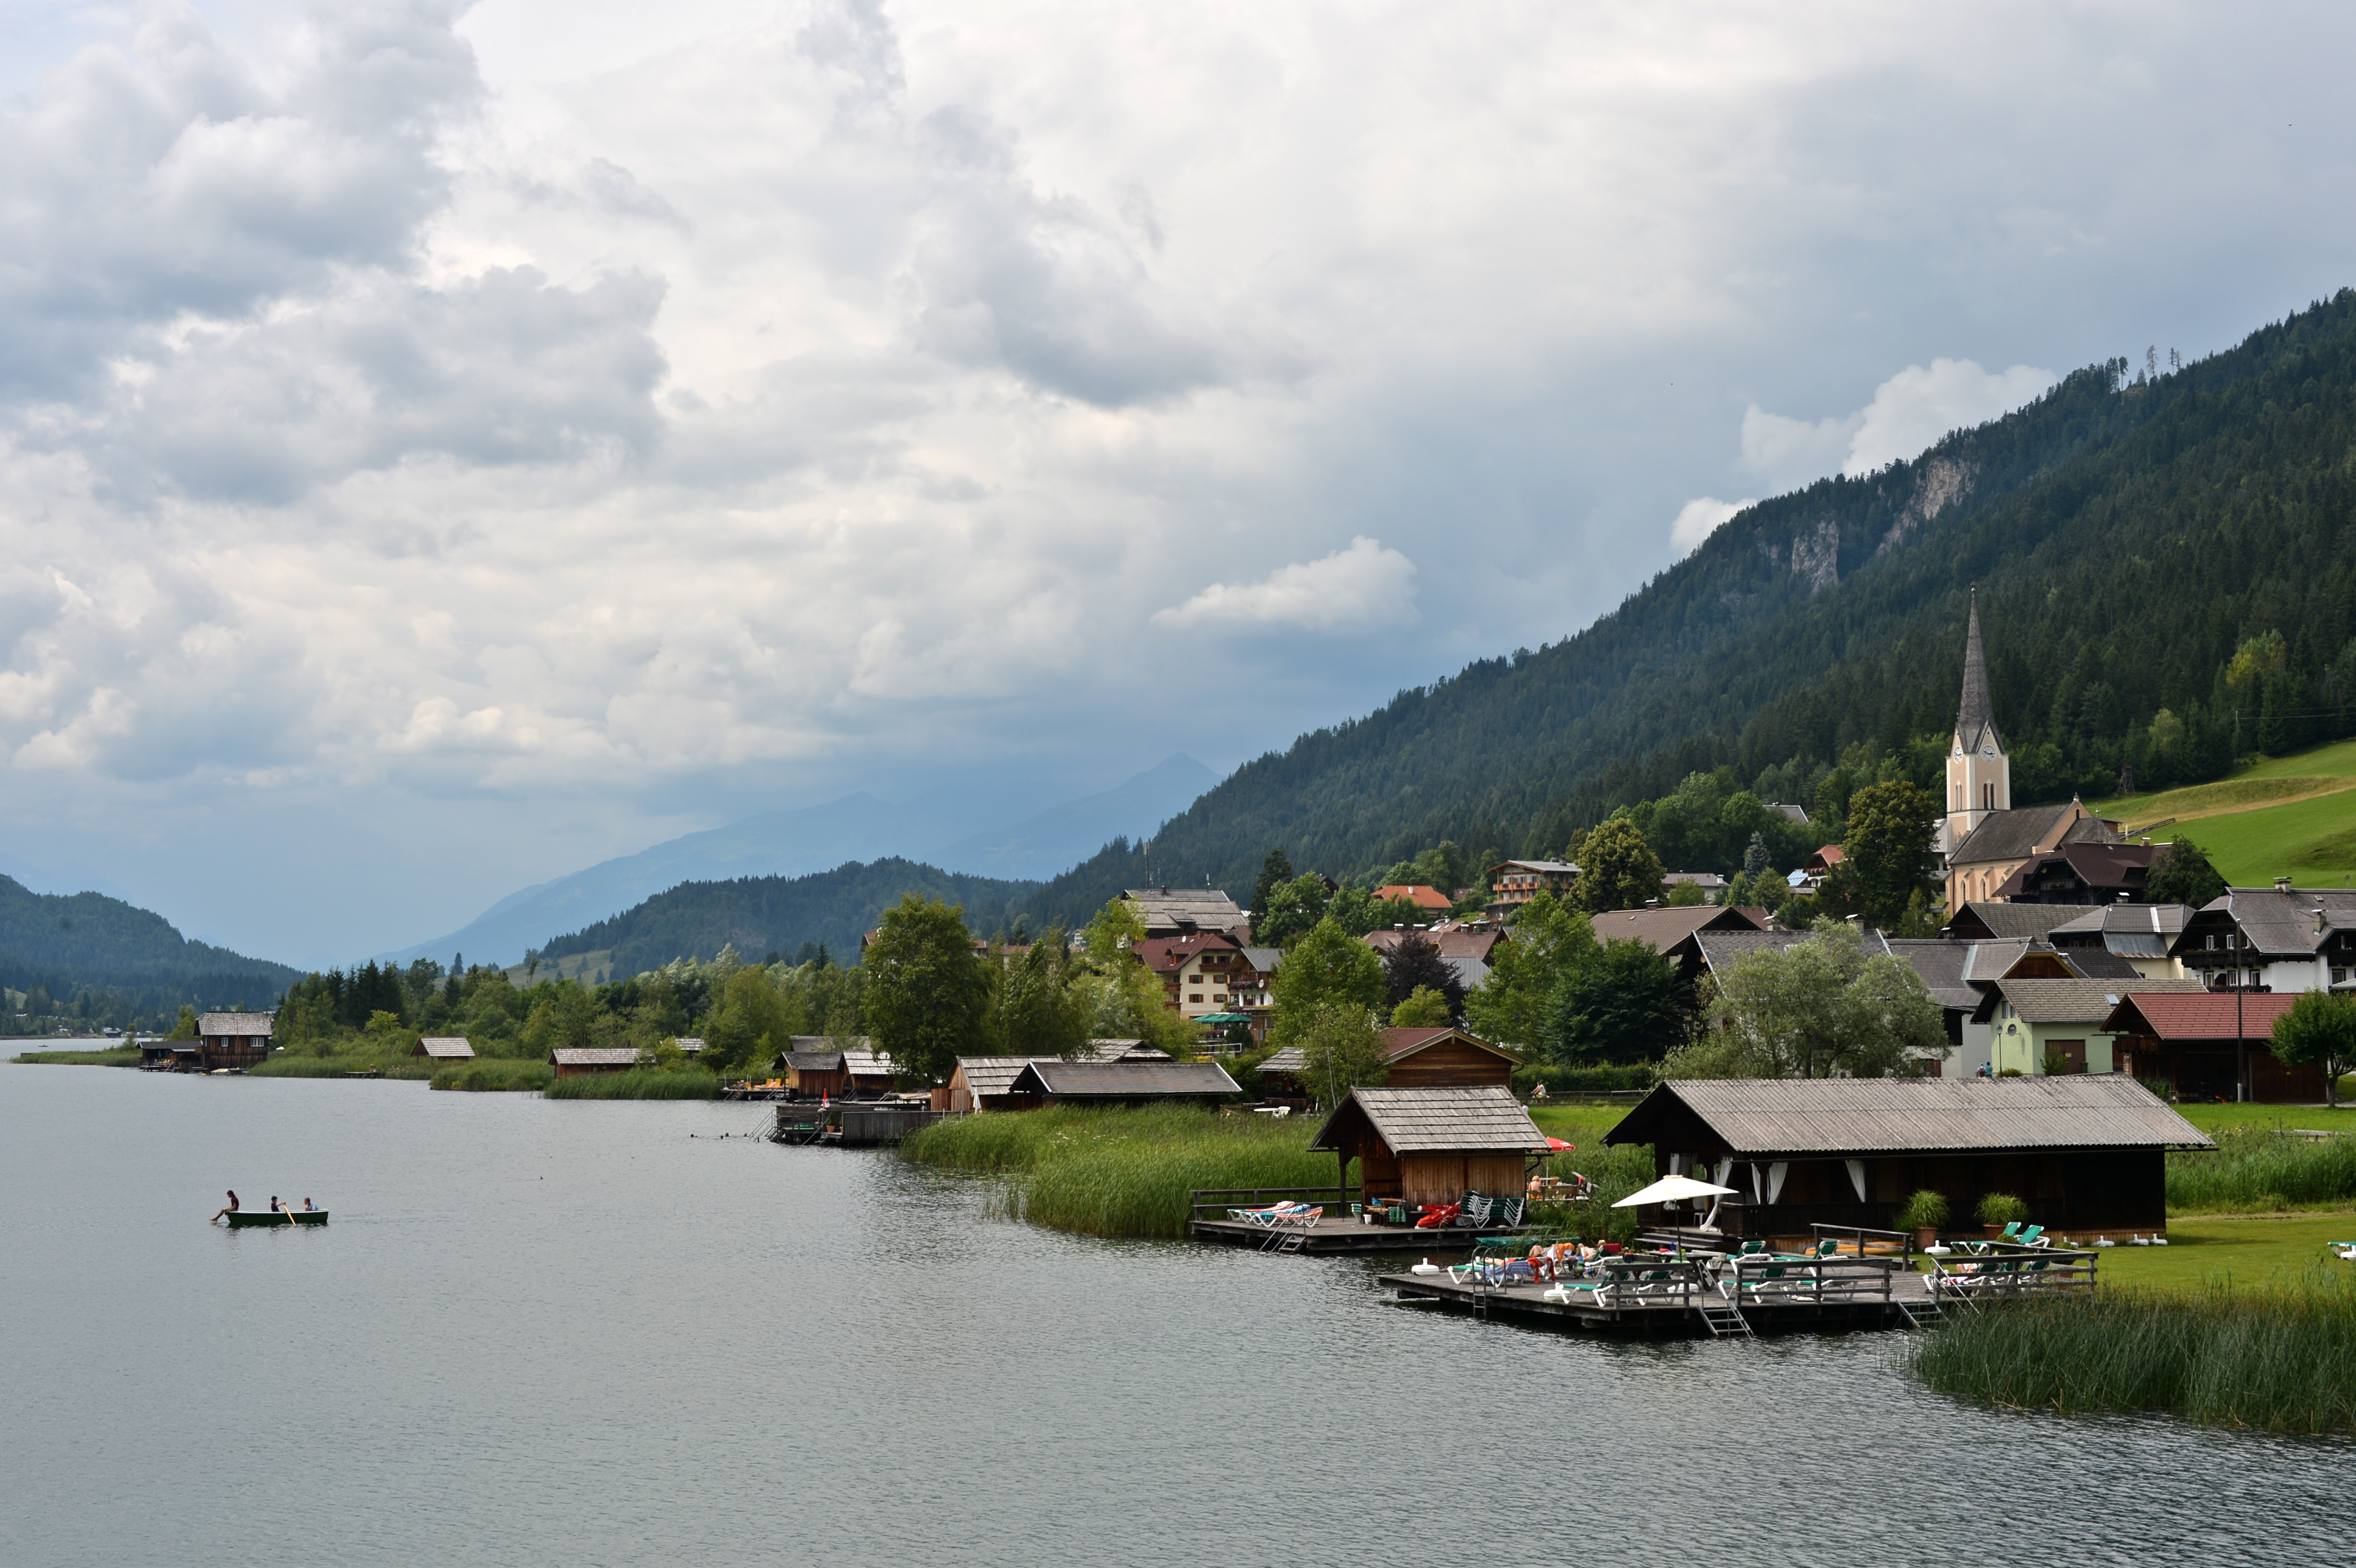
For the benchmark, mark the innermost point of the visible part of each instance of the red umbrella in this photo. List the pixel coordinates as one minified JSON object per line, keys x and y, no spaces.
{"x":1559,"y":1146}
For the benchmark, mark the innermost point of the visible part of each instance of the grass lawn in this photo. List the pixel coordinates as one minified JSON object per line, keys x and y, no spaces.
{"x":2283,"y":816}
{"x":2215,"y":1119}
{"x":2248,"y":1250}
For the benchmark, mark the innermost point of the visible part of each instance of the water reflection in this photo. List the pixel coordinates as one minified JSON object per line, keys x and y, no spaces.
{"x":570,"y":1333}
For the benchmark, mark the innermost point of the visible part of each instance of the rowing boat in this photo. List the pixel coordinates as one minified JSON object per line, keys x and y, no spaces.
{"x":245,"y":1216}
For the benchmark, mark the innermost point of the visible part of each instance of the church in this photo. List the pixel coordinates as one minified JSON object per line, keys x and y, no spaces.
{"x":2039,"y":854}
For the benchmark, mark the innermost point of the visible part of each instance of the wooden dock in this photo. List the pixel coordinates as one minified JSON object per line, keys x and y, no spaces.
{"x":1697,"y":1294}
{"x":1343,"y":1235}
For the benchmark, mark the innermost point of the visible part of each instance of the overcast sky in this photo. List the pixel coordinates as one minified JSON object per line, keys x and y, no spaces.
{"x":442,"y":447}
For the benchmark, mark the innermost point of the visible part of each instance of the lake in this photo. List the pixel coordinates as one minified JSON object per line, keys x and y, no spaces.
{"x":573,"y":1333}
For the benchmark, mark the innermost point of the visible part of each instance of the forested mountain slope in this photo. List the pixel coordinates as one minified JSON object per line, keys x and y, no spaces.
{"x":758,"y":915}
{"x":2127,"y":538}
{"x":65,"y":944}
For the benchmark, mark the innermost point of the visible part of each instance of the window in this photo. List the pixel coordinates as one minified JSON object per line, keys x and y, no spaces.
{"x":1195,"y":997}
{"x":1989,"y":792}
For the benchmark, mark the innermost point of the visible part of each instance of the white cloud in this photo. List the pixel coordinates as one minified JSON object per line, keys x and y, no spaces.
{"x":1909,"y":412}
{"x":1352,"y":590}
{"x":626,"y":410}
{"x":1699,"y":518}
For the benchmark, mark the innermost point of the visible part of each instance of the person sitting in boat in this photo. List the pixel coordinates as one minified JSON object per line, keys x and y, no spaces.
{"x":230,"y":1210}
{"x":309,"y":1207}
{"x":276,"y":1206}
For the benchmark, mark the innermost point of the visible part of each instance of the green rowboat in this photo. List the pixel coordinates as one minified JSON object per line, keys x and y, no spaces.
{"x":243,"y":1218}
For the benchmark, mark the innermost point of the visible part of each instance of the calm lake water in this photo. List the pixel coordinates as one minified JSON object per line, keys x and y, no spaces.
{"x":570,"y":1333}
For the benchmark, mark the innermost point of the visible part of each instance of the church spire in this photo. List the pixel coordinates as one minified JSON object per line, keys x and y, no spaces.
{"x":1978,"y":713}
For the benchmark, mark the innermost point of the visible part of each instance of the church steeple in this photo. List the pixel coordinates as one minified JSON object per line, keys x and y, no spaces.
{"x":1978,"y":713}
{"x":1980,"y":773}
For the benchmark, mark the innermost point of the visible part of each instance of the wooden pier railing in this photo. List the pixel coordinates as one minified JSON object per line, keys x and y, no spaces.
{"x":1867,"y":1241}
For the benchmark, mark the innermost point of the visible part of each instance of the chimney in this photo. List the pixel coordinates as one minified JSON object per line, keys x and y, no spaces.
{"x":2282,"y":884}
{"x":2318,"y":921}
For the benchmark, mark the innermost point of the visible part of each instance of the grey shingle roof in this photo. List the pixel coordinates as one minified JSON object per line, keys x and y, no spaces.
{"x":1755,"y":1119}
{"x":1668,"y":926}
{"x":814,"y":1060}
{"x":2008,"y":835}
{"x":2124,"y":920}
{"x":2281,"y":924}
{"x":2101,"y":964}
{"x":1122,"y":1080}
{"x":1941,"y":966}
{"x":446,"y":1047}
{"x":1486,"y":1120}
{"x":2072,"y":1001}
{"x":594,"y":1055}
{"x":210,"y":1024}
{"x":1176,"y":909}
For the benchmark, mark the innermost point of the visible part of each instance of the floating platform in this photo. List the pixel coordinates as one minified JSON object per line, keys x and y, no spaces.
{"x":1342,"y":1235}
{"x":245,"y":1218}
{"x":1886,"y":1299}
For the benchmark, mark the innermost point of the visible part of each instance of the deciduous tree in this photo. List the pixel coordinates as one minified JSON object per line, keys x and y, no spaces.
{"x":1326,"y":967}
{"x":1887,"y":849}
{"x":1414,"y":963}
{"x":1820,"y":1009}
{"x":927,"y":998}
{"x":1547,"y":940}
{"x":1619,"y":869}
{"x":2182,"y":874}
{"x":1340,"y":1051}
{"x":2319,"y":1030}
{"x":1623,"y":1003}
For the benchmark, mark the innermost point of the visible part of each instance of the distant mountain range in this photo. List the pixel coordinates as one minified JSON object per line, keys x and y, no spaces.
{"x":64,"y":943}
{"x":793,"y":844}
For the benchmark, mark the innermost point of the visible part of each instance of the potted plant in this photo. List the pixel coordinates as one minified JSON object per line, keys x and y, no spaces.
{"x":1998,"y":1209}
{"x":1925,"y":1214}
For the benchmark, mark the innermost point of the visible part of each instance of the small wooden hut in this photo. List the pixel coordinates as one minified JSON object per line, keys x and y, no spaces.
{"x":812,"y":1074}
{"x":583,"y":1061}
{"x":1054,"y":1081}
{"x":1417,"y":1059}
{"x":1433,"y":1146}
{"x":444,"y":1050}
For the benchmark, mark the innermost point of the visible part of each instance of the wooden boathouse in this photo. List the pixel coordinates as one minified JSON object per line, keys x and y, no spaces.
{"x":233,"y":1039}
{"x":1054,"y":1081}
{"x":2084,"y":1152}
{"x":444,"y":1050}
{"x":1415,"y":1057}
{"x":1433,"y":1146}
{"x":583,"y":1061}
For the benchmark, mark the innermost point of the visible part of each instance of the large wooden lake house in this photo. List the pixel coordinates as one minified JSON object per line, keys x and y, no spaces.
{"x":233,"y":1039}
{"x":1433,"y":1146}
{"x":2084,"y":1152}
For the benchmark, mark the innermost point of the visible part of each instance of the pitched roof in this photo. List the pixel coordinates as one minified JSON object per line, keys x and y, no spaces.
{"x":1416,"y":893}
{"x":1486,"y":1120}
{"x":2011,"y":835}
{"x":688,"y":1045}
{"x":813,"y":1060}
{"x":1163,"y":955}
{"x":2110,"y":866}
{"x":1941,"y":966}
{"x":862,"y":1064}
{"x":2015,"y":920}
{"x":1558,"y":867}
{"x":1667,"y":926}
{"x":1186,"y":909}
{"x":2198,"y":1015}
{"x":1455,"y":943}
{"x":1401,"y":1043}
{"x":2068,"y":1001}
{"x":1975,"y":716}
{"x":1755,"y":1119}
{"x":209,"y":1024}
{"x":2280,"y":923}
{"x":1123,"y":1079}
{"x":2101,"y":964}
{"x":594,"y":1055}
{"x":1264,"y":959}
{"x":445,"y":1047}
{"x":1703,"y":879}
{"x":1121,"y":1051}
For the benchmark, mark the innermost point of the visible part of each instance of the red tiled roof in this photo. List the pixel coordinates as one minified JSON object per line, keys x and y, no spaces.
{"x":1416,"y":893}
{"x":2198,"y":1015}
{"x":1164,"y":953}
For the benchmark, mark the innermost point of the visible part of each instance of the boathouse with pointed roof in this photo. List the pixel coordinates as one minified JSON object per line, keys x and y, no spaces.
{"x":2086,"y":1154}
{"x":1433,"y":1146}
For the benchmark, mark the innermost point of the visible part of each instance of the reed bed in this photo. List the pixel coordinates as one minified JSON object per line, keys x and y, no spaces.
{"x":2253,"y":1171}
{"x":126,"y":1056}
{"x":291,"y":1066}
{"x":495,"y":1074}
{"x":1121,"y":1172}
{"x":2279,"y":1359}
{"x":638,"y":1083}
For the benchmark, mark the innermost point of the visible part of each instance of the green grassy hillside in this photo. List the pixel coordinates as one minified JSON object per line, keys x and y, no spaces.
{"x":2281,"y":816}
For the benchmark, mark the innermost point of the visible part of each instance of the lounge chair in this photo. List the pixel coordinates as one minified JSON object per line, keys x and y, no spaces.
{"x":1473,"y":1209}
{"x":2028,"y":1238}
{"x":1508,"y":1211}
{"x":2011,"y":1232}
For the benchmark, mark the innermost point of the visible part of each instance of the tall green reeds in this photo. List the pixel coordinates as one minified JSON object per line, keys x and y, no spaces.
{"x":2253,"y":1171}
{"x":121,"y":1056}
{"x":1122,"y":1172}
{"x":2282,"y":1358}
{"x":638,"y":1083}
{"x":495,"y":1074}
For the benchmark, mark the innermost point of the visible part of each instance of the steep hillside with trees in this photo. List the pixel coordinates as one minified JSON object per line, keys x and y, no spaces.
{"x":2167,"y":581}
{"x":94,"y":960}
{"x":760,"y":916}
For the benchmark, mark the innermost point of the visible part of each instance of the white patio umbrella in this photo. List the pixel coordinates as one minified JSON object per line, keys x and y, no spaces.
{"x":1670,"y":1187}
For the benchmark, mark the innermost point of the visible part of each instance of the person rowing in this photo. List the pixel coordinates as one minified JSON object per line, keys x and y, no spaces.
{"x":231,"y":1209}
{"x":276,"y":1206}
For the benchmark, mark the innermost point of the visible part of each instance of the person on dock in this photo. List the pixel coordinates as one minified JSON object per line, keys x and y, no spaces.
{"x":231,"y":1209}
